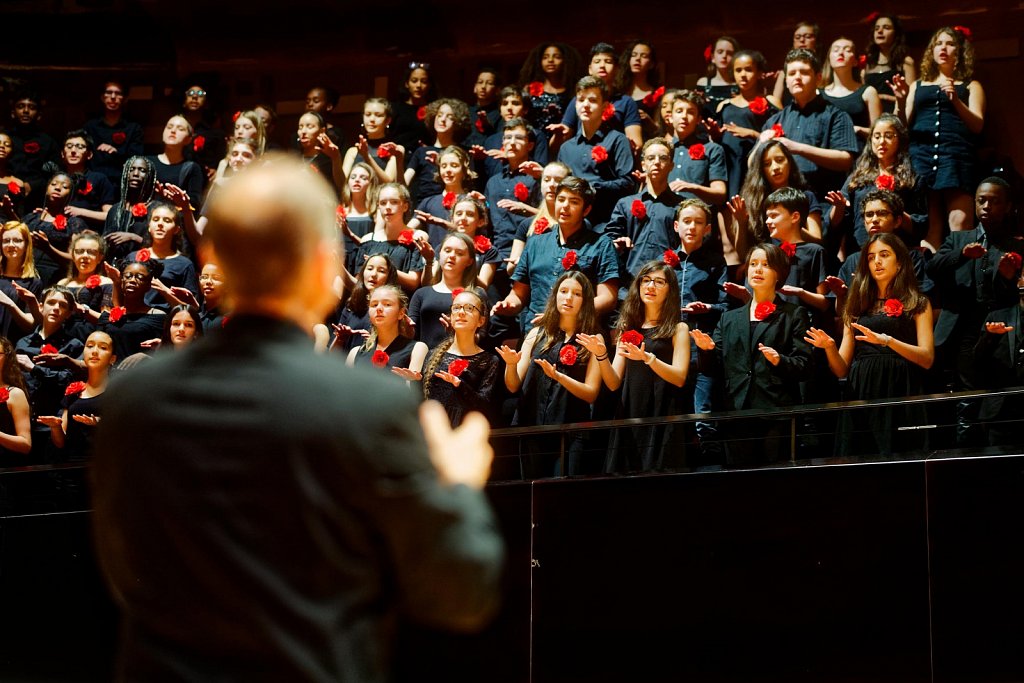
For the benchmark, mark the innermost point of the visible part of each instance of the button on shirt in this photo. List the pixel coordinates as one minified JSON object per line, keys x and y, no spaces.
{"x":504,"y":223}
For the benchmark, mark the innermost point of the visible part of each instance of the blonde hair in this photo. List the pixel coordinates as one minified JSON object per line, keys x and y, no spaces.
{"x":28,"y":264}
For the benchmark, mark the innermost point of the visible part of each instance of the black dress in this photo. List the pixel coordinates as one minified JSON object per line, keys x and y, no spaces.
{"x":713,"y":95}
{"x":79,"y":437}
{"x":942,"y":148}
{"x":475,"y":391}
{"x":425,"y":309}
{"x":399,"y":353}
{"x":880,"y":80}
{"x":879,"y":372}
{"x":645,"y":394}
{"x":737,"y":149}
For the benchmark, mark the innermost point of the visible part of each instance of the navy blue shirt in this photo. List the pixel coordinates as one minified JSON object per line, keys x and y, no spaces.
{"x":822,"y":125}
{"x":652,"y":235}
{"x":406,"y":257}
{"x":540,"y":152}
{"x":505,"y":225}
{"x":610,"y":178}
{"x":626,"y":114}
{"x":698,"y":163}
{"x":540,"y":264}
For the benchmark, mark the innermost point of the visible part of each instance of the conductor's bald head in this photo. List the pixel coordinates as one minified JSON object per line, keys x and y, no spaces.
{"x":271,"y":229}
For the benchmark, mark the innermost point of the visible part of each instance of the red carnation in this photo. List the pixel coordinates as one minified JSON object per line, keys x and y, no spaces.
{"x":862,"y":61}
{"x":651,"y":99}
{"x":788,"y":248}
{"x":1015,"y":257}
{"x":421,"y":113}
{"x":224,"y":321}
{"x":119,"y":137}
{"x":568,"y":355}
{"x":777,"y":129}
{"x":458,"y":366}
{"x":708,"y":51}
{"x":609,"y":111}
{"x":92,"y":282}
{"x":697,"y":152}
{"x":670,"y":258}
{"x":234,"y":117}
{"x":139,"y":210}
{"x":885,"y":182}
{"x":74,"y":388}
{"x":13,"y":188}
{"x":85,"y":189}
{"x":60,"y":222}
{"x":379,"y":359}
{"x":632,"y":337}
{"x":599,"y":154}
{"x":480,"y":123}
{"x":893,"y":308}
{"x":521,"y":192}
{"x":481,"y":243}
{"x":116,"y":313}
{"x":448,"y":200}
{"x":536,"y":89}
{"x":759,"y":105}
{"x":541,"y":225}
{"x":142,"y":255}
{"x":873,"y":17}
{"x":405,"y":237}
{"x":457,"y":291}
{"x":638,"y":209}
{"x":198,"y":142}
{"x":4,"y":394}
{"x":965,"y":32}
{"x":340,"y":211}
{"x":763,"y":310}
{"x":383,"y":152}
{"x":31,"y":147}
{"x":48,"y":348}
{"x":569,"y":260}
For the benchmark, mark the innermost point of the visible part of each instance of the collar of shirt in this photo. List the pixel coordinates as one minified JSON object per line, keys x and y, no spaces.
{"x":577,"y":239}
{"x":596,"y":138}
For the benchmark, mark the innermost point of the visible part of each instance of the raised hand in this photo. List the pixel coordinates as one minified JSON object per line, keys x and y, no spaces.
{"x":998,"y":328}
{"x":835,"y":285}
{"x":769,"y":353}
{"x":736,"y":291}
{"x":702,"y":339}
{"x":819,"y":338}
{"x":549,"y":369}
{"x":509,"y":355}
{"x":974,"y":250}
{"x":593,"y":343}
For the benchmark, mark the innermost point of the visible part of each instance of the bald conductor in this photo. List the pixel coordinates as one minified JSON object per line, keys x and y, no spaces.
{"x":263,"y":513}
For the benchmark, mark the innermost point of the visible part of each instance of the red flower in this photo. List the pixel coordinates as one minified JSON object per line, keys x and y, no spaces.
{"x":379,"y":359}
{"x":708,"y":51}
{"x":651,"y":99}
{"x":74,"y":388}
{"x":139,"y":210}
{"x":788,"y":248}
{"x":86,"y":189}
{"x":569,"y":260}
{"x":893,"y":308}
{"x":457,"y":291}
{"x":13,"y":188}
{"x":92,"y":282}
{"x":609,"y":111}
{"x":458,"y":366}
{"x":60,"y":222}
{"x":885,"y":182}
{"x":31,"y":147}
{"x":448,"y":200}
{"x":116,"y":313}
{"x":119,"y":137}
{"x":670,"y":258}
{"x":536,"y":89}
{"x":198,"y":142}
{"x":1015,"y":257}
{"x":697,"y":152}
{"x":521,"y":192}
{"x":340,"y":211}
{"x":224,"y":321}
{"x":777,"y":129}
{"x":383,"y":152}
{"x":481,"y":243}
{"x":965,"y":32}
{"x":4,"y":394}
{"x":405,"y":237}
{"x":481,"y":121}
{"x":421,"y":113}
{"x":632,"y":337}
{"x":234,"y":117}
{"x":568,"y":355}
{"x":599,"y":154}
{"x":759,"y":105}
{"x":142,"y":255}
{"x":763,"y":310}
{"x":638,"y":209}
{"x":48,"y":348}
{"x":541,"y":225}
{"x":862,"y":61}
{"x":873,"y":17}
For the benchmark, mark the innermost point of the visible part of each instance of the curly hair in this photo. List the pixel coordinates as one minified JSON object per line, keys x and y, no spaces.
{"x":10,"y":373}
{"x":633,"y":311}
{"x":863,"y":295}
{"x":468,"y":174}
{"x":867,"y":169}
{"x":964,"y":68}
{"x":462,"y":123}
{"x":572,"y":64}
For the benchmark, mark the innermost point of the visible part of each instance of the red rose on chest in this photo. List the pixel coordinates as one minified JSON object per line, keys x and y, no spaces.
{"x":788,"y":248}
{"x":383,"y":152}
{"x":521,"y":192}
{"x":763,"y":310}
{"x":697,"y":152}
{"x":536,"y":89}
{"x":651,"y":99}
{"x":31,"y":147}
{"x":481,"y":243}
{"x":759,"y":105}
{"x":4,"y":394}
{"x":139,"y":210}
{"x":568,"y":355}
{"x":885,"y":182}
{"x":117,"y":313}
{"x":458,"y":366}
{"x":198,"y":143}
{"x":85,"y":189}
{"x":48,"y":348}
{"x":405,"y":237}
{"x":119,"y":137}
{"x":569,"y":260}
{"x":448,"y":200}
{"x":60,"y":222}
{"x":893,"y":308}
{"x":481,"y":122}
{"x":421,"y":113}
{"x":92,"y":282}
{"x":670,"y":258}
{"x":638,"y":209}
{"x":74,"y":388}
{"x":13,"y":188}
{"x":541,"y":225}
{"x":599,"y":154}
{"x":379,"y":359}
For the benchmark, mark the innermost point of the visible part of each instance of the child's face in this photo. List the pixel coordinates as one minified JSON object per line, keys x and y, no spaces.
{"x":195,"y":98}
{"x":775,"y":167}
{"x":486,"y":87}
{"x":781,"y":221}
{"x":885,"y":142}
{"x":516,"y":142}
{"x":162,"y":224}
{"x":176,"y":131}
{"x":842,"y":53}
{"x":358,"y":180}
{"x":945,"y":51}
{"x":511,"y":107}
{"x":879,"y":217}
{"x":418,"y":84}
{"x":685,"y":117}
{"x":375,"y":118}
{"x":466,"y":217}
{"x":444,"y":122}
{"x":569,"y":208}
{"x":589,"y":105}
{"x":640,"y":59}
{"x":450,"y":169}
{"x":722,"y":54}
{"x":549,"y":180}
{"x":745,"y":72}
{"x":390,"y":204}
{"x":804,"y":37}
{"x":26,"y":111}
{"x":240,"y":156}
{"x":245,"y":129}
{"x":551,"y":61}
{"x":991,"y":204}
{"x":6,"y":146}
{"x":667,"y":102}
{"x":316,"y":100}
{"x":75,"y":152}
{"x":760,"y":275}
{"x":692,"y":226}
{"x":657,"y":162}
{"x":309,"y":129}
{"x":801,"y":80}
{"x":602,"y":65}
{"x":58,"y":188}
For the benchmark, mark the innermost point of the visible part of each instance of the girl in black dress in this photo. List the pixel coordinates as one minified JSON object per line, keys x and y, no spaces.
{"x":73,"y":430}
{"x":15,"y":418}
{"x":372,"y":146}
{"x":52,"y":228}
{"x":12,"y":188}
{"x":843,"y":88}
{"x":652,"y":359}
{"x":469,"y":216}
{"x":410,"y":109}
{"x":886,"y":56}
{"x":356,"y":211}
{"x":319,"y":151}
{"x":390,"y":343}
{"x":17,"y":273}
{"x":455,"y":174}
{"x":558,"y":376}
{"x":164,"y":244}
{"x":887,"y":341}
{"x":717,"y":85}
{"x":772,"y":167}
{"x":548,"y":77}
{"x":459,"y":374}
{"x":183,"y":326}
{"x":456,"y":272}
{"x":353,"y":326}
{"x":127,"y":220}
{"x":84,"y":280}
{"x":637,"y":76}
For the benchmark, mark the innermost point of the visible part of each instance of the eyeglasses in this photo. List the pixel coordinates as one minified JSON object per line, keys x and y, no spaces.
{"x":658,"y":282}
{"x":419,"y":65}
{"x":76,"y":145}
{"x":196,"y":93}
{"x":888,"y":135}
{"x":882,"y":213}
{"x":464,"y":308}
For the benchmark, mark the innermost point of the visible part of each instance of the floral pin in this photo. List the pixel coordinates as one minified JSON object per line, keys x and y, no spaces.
{"x":379,"y":359}
{"x":763,"y":310}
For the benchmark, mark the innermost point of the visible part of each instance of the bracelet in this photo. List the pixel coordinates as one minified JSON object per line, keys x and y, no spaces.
{"x":886,"y":339}
{"x":601,"y":358}
{"x":650,"y":358}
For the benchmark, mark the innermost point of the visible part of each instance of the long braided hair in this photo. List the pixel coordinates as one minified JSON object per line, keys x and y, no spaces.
{"x":123,"y":218}
{"x":434,"y":361}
